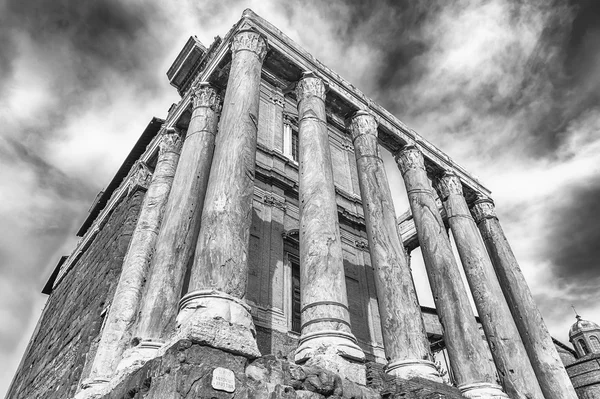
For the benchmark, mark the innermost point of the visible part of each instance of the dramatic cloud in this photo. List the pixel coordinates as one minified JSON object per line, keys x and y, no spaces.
{"x":507,"y":89}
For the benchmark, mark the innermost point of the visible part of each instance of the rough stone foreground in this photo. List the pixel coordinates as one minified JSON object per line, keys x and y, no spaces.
{"x":185,"y":372}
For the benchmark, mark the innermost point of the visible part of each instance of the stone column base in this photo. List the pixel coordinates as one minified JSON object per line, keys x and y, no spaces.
{"x":135,"y":357}
{"x":333,"y":350}
{"x":483,"y":390}
{"x":411,"y":368}
{"x":219,"y":320}
{"x":92,"y":388}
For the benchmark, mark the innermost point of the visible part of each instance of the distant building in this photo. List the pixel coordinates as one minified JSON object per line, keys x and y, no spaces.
{"x":584,"y":369}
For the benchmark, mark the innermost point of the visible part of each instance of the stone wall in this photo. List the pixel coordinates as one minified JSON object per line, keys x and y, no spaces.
{"x":68,"y":329}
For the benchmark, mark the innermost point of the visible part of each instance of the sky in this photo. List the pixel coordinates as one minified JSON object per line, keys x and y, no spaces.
{"x":508,"y":89}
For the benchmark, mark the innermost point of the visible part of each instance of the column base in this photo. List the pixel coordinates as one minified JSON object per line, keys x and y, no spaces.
{"x":219,"y":320}
{"x":92,"y":388}
{"x":411,"y":368}
{"x":483,"y":390}
{"x":333,"y":350}
{"x":135,"y":357}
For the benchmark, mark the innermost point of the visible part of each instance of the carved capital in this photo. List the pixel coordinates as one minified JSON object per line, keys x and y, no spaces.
{"x":170,"y":142}
{"x":448,"y":184}
{"x":140,"y":178}
{"x":249,"y":40}
{"x":483,"y":209}
{"x":310,"y":86}
{"x":409,"y":158}
{"x":290,"y":119}
{"x":204,"y":95}
{"x":361,"y":123}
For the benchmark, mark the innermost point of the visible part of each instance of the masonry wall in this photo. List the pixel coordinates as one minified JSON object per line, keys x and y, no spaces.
{"x":72,"y":318}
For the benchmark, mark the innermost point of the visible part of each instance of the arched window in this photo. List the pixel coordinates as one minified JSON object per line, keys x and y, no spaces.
{"x":595,"y":343}
{"x":583,"y":346}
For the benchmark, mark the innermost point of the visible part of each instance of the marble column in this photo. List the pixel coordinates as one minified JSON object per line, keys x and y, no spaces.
{"x":177,"y":237}
{"x":548,"y":367}
{"x":473,"y":372}
{"x":403,"y":329}
{"x":117,"y":330}
{"x":513,"y":366}
{"x":325,"y":315}
{"x":220,"y":270}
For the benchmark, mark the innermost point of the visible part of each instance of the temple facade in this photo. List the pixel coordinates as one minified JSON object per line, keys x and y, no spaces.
{"x":253,"y":230}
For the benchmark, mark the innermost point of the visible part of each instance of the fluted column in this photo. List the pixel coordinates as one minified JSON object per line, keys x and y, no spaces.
{"x":125,"y":304}
{"x":515,"y":371}
{"x":177,"y":238}
{"x":473,"y":372}
{"x":548,"y":367}
{"x":325,"y":315}
{"x":220,"y":269}
{"x":404,"y":336}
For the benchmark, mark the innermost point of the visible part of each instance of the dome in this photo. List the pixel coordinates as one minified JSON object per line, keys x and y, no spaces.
{"x":582,"y":326}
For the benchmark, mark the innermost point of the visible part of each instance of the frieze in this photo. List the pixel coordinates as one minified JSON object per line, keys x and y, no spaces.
{"x":310,"y":85}
{"x":410,"y":157}
{"x":170,"y":142}
{"x":363,"y":123}
{"x":483,"y":209}
{"x":204,"y":95}
{"x":448,"y":184}
{"x":270,"y":200}
{"x":251,"y":41}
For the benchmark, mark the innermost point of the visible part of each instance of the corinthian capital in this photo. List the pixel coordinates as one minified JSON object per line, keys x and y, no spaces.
{"x":363,"y":122}
{"x":310,"y":86}
{"x":482,"y":209}
{"x":249,"y":40}
{"x":140,"y":176}
{"x":448,"y":184}
{"x":204,"y":95}
{"x":170,"y":142}
{"x":410,"y":157}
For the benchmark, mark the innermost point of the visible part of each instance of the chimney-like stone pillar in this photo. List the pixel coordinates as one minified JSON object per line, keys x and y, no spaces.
{"x":473,"y":372}
{"x":177,"y":237}
{"x":404,"y":336}
{"x":326,"y":333}
{"x":123,"y":310}
{"x":220,"y":270}
{"x":551,"y":374}
{"x":514,"y":369}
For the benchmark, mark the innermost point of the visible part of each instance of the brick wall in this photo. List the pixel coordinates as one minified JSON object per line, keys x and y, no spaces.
{"x":72,"y":318}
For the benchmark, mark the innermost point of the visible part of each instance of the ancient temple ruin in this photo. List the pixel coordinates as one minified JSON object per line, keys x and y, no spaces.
{"x":249,"y":247}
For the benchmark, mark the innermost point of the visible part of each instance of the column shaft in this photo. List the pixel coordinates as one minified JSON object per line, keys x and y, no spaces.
{"x":404,"y":336}
{"x":551,"y":374}
{"x":515,"y":371}
{"x":177,"y":237}
{"x":219,"y":273}
{"x":118,"y":327}
{"x":324,"y":313}
{"x":471,"y":368}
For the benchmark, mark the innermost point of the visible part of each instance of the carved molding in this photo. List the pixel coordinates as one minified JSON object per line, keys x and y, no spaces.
{"x":277,"y":97}
{"x":483,"y":209}
{"x":347,"y":147}
{"x":170,"y":142}
{"x":204,"y":95}
{"x":362,"y":245}
{"x":361,"y":123}
{"x":448,"y":184}
{"x":290,"y":119}
{"x":410,"y":157}
{"x":251,"y":41}
{"x":310,"y":86}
